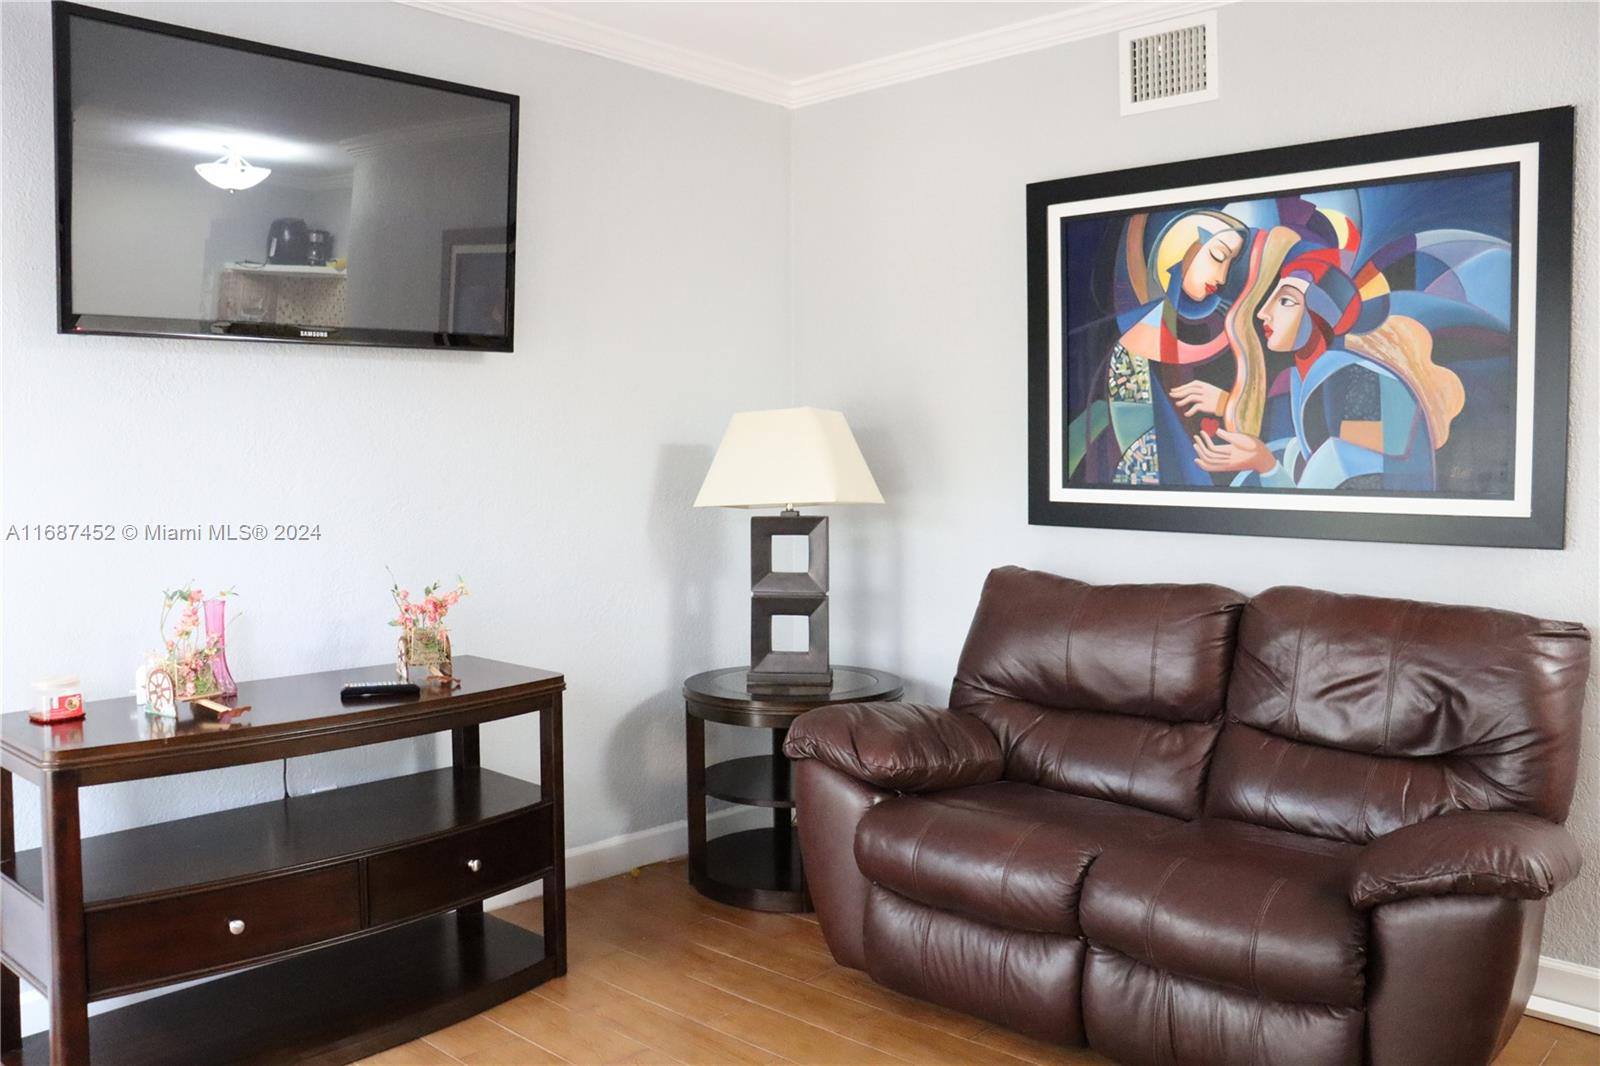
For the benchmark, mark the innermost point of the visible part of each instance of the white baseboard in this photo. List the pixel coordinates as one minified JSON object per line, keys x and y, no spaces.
{"x":590,"y":862}
{"x":1567,"y":993}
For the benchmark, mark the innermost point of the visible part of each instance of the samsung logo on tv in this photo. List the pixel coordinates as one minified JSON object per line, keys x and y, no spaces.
{"x":313,"y":333}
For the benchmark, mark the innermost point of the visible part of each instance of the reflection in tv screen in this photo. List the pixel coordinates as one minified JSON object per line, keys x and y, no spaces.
{"x":218,"y":188}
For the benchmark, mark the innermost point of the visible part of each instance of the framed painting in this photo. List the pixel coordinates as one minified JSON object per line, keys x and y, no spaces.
{"x":472,"y":296}
{"x":1362,"y":339}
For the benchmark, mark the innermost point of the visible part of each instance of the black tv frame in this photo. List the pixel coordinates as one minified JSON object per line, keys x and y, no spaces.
{"x":68,"y":321}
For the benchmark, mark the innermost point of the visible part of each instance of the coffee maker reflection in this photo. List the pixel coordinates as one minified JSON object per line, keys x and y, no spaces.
{"x":288,"y":242}
{"x":319,"y":247}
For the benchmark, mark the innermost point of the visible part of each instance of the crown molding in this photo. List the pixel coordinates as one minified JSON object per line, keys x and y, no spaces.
{"x":555,"y":27}
{"x":540,"y":23}
{"x":1046,"y":31}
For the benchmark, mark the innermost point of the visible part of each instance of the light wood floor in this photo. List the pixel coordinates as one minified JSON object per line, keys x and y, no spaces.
{"x":659,"y":974}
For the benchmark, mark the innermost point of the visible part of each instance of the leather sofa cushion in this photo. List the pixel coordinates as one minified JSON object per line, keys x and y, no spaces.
{"x":1273,"y":781}
{"x":1255,"y":909}
{"x":1142,"y":1016}
{"x":1159,"y":651}
{"x":1028,"y":982}
{"x":1146,"y":762}
{"x":1007,"y":853}
{"x":1394,"y":711}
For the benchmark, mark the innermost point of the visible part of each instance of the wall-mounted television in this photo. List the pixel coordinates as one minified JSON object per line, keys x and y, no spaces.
{"x":212,"y":187}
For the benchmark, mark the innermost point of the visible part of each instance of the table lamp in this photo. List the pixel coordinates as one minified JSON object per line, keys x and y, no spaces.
{"x":790,"y":458}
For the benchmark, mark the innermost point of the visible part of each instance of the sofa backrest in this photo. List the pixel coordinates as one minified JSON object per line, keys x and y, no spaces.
{"x":1108,"y":691}
{"x":1351,"y":716}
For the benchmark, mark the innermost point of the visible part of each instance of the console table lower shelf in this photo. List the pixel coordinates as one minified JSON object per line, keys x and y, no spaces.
{"x":330,"y":1007}
{"x":333,"y":924}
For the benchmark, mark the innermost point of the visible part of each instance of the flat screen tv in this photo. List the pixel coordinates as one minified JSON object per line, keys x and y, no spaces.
{"x":213,"y":187}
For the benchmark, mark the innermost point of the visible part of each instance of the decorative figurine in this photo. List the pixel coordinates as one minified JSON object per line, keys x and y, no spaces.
{"x":194,"y":666}
{"x":161,"y":693}
{"x":424,"y":640}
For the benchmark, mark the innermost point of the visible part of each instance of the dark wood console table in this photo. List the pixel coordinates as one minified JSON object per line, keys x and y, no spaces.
{"x":758,"y":869}
{"x":359,"y":910}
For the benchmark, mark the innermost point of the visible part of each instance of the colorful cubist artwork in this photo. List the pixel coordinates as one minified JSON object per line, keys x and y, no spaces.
{"x":1354,"y":339}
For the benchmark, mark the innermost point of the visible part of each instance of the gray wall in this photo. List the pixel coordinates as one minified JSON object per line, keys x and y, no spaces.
{"x":910,"y":314}
{"x":651,"y":300}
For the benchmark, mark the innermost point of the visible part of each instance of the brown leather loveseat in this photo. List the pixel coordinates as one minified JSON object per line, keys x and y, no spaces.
{"x":1184,"y":826}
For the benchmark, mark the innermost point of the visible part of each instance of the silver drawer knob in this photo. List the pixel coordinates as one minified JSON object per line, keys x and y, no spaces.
{"x":474,"y":865}
{"x":236,"y":927}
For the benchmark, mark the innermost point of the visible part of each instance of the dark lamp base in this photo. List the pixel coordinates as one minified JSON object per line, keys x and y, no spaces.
{"x":784,"y":594}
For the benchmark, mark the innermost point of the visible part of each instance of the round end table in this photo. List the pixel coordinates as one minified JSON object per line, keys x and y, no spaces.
{"x":758,"y":869}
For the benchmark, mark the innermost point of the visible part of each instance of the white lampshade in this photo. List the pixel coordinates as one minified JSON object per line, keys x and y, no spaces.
{"x":794,"y":457}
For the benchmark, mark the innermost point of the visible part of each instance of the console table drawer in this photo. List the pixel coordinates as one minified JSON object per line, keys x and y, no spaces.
{"x":148,"y":943}
{"x":455,"y":869}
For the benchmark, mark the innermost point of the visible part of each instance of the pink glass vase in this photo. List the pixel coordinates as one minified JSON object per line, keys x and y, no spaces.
{"x":216,"y":626}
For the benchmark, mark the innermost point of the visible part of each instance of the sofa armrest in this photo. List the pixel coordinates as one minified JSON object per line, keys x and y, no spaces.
{"x":1479,"y":853}
{"x":906,"y":747}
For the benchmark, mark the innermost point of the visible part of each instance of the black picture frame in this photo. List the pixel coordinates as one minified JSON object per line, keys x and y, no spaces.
{"x":459,"y":245}
{"x":1550,"y":130}
{"x":70,"y":322}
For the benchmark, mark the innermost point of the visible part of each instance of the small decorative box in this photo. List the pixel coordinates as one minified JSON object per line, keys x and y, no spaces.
{"x":60,"y":700}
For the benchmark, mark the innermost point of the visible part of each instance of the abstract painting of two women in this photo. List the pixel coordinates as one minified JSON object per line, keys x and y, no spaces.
{"x":1353,"y":339}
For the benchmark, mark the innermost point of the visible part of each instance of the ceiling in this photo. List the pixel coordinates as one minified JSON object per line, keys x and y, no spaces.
{"x":795,"y":54}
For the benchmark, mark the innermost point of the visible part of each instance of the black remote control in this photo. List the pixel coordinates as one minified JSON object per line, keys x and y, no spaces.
{"x":379,"y":690}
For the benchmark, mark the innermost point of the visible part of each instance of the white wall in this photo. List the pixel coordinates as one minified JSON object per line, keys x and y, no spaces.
{"x":652,"y":290}
{"x":910,"y":314}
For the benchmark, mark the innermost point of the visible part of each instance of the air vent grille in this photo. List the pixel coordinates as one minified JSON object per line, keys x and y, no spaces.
{"x":1169,"y":63}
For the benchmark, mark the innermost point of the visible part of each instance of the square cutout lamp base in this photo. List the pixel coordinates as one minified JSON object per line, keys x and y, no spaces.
{"x":785,"y":594}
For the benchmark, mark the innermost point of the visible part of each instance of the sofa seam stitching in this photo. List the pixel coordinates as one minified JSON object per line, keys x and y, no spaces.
{"x":1257,"y":1037}
{"x":1005,"y":954}
{"x":1072,"y":625}
{"x":1150,"y":911}
{"x":1255,"y":931}
{"x":922,"y":956}
{"x":1395,"y":647}
{"x":1005,"y":871}
{"x":1146,"y":727}
{"x":1005,"y":755}
{"x":1155,"y":643}
{"x":1499,"y":880}
{"x":1294,"y":683}
{"x":916,"y":847}
{"x":1362,"y":825}
{"x":1272,"y":778}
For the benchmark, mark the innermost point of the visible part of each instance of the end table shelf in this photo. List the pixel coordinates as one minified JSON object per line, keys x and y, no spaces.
{"x":754,"y":781}
{"x":760,"y":869}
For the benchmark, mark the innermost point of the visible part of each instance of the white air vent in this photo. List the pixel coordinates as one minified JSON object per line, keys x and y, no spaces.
{"x":1167,"y":64}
